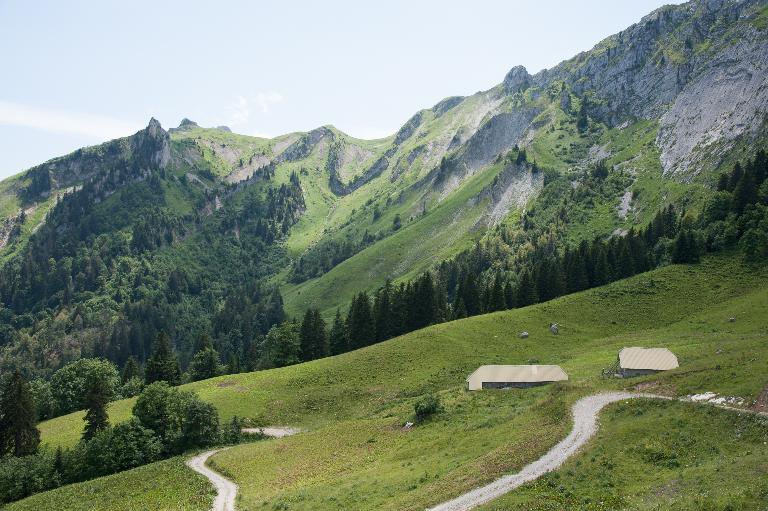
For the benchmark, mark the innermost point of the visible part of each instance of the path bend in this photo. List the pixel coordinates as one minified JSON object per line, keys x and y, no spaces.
{"x":585,"y":414}
{"x":226,"y":490}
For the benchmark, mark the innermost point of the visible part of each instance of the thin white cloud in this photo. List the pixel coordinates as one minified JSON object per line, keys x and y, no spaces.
{"x":241,"y":111}
{"x":265,"y":100}
{"x":95,"y":126}
{"x":242,"y":108}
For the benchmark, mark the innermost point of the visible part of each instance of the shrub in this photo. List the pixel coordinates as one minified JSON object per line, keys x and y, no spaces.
{"x":20,"y":477}
{"x":70,"y":384}
{"x":180,"y":419}
{"x":132,"y":387}
{"x":426,"y":407}
{"x":111,"y":450}
{"x":232,"y":433}
{"x":200,"y":425}
{"x":151,"y":408}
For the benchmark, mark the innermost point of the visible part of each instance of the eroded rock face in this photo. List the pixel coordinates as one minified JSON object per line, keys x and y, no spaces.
{"x":498,"y":135}
{"x":727,"y":99}
{"x":302,"y":147}
{"x":148,"y":149}
{"x":698,"y":68}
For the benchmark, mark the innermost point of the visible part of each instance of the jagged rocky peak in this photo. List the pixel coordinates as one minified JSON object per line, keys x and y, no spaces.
{"x":517,"y":80}
{"x":184,"y":125}
{"x":154,"y":129}
{"x":153,"y":144}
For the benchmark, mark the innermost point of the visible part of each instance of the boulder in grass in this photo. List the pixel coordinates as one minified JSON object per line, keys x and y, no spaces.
{"x":554,"y":328}
{"x":523,"y":335}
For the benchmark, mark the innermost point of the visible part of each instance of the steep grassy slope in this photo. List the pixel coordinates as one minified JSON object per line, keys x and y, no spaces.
{"x":163,"y":486}
{"x":358,"y":402}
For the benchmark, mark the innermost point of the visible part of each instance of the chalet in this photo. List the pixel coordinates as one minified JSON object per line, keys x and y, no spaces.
{"x":642,"y":361}
{"x":514,"y":376}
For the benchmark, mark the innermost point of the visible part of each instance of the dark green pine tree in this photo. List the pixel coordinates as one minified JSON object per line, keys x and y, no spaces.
{"x":685,"y":248}
{"x":58,"y":461}
{"x":722,"y":183}
{"x":399,"y":307}
{"x":601,"y":273}
{"x":252,"y":354}
{"x":130,"y":370}
{"x":496,"y":299}
{"x":526,"y":290}
{"x":575,"y":271}
{"x":233,"y":363}
{"x":625,"y":264}
{"x":735,"y":177}
{"x":744,"y":193}
{"x":307,"y":337}
{"x":550,"y":282}
{"x":205,"y":364}
{"x":423,"y":306}
{"x":760,"y":167}
{"x":321,"y":336}
{"x":162,"y":365}
{"x":459,"y":309}
{"x":313,"y":341}
{"x":337,"y":339}
{"x":509,"y":295}
{"x":96,"y":400}
{"x":470,"y":295}
{"x":382,"y":312}
{"x":360,"y":322}
{"x":19,"y":435}
{"x":582,"y":122}
{"x":203,"y":342}
{"x":669,"y":221}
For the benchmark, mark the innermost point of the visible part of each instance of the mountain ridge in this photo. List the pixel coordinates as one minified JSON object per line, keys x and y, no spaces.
{"x":642,"y":103}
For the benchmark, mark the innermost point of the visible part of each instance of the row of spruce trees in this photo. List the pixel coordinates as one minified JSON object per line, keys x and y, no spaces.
{"x":469,"y":284}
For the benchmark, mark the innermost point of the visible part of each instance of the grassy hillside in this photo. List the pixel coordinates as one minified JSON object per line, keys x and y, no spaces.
{"x":163,"y":486}
{"x":358,"y":402}
{"x":658,"y":455}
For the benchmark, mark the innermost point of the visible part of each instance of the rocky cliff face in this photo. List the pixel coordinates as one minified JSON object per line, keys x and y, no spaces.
{"x":698,"y":68}
{"x":146,"y":150}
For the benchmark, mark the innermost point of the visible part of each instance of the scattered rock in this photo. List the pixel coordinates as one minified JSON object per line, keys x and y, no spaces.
{"x":408,"y":425}
{"x":554,"y":328}
{"x":732,"y":320}
{"x":713,"y":398}
{"x":523,"y":335}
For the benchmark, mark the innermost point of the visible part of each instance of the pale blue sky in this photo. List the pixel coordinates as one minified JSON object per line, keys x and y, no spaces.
{"x":77,"y":73}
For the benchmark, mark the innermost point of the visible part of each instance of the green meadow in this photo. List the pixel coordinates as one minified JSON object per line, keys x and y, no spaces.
{"x":355,"y":454}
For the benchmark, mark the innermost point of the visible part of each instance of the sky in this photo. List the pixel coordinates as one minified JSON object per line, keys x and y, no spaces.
{"x":78,"y":73}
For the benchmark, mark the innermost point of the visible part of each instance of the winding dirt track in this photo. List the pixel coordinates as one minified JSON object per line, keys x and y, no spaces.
{"x":585,"y":422}
{"x":585,"y":412}
{"x":226,"y":490}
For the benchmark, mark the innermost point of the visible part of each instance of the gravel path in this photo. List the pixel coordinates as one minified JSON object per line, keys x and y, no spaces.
{"x":585,"y":412}
{"x":226,"y":490}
